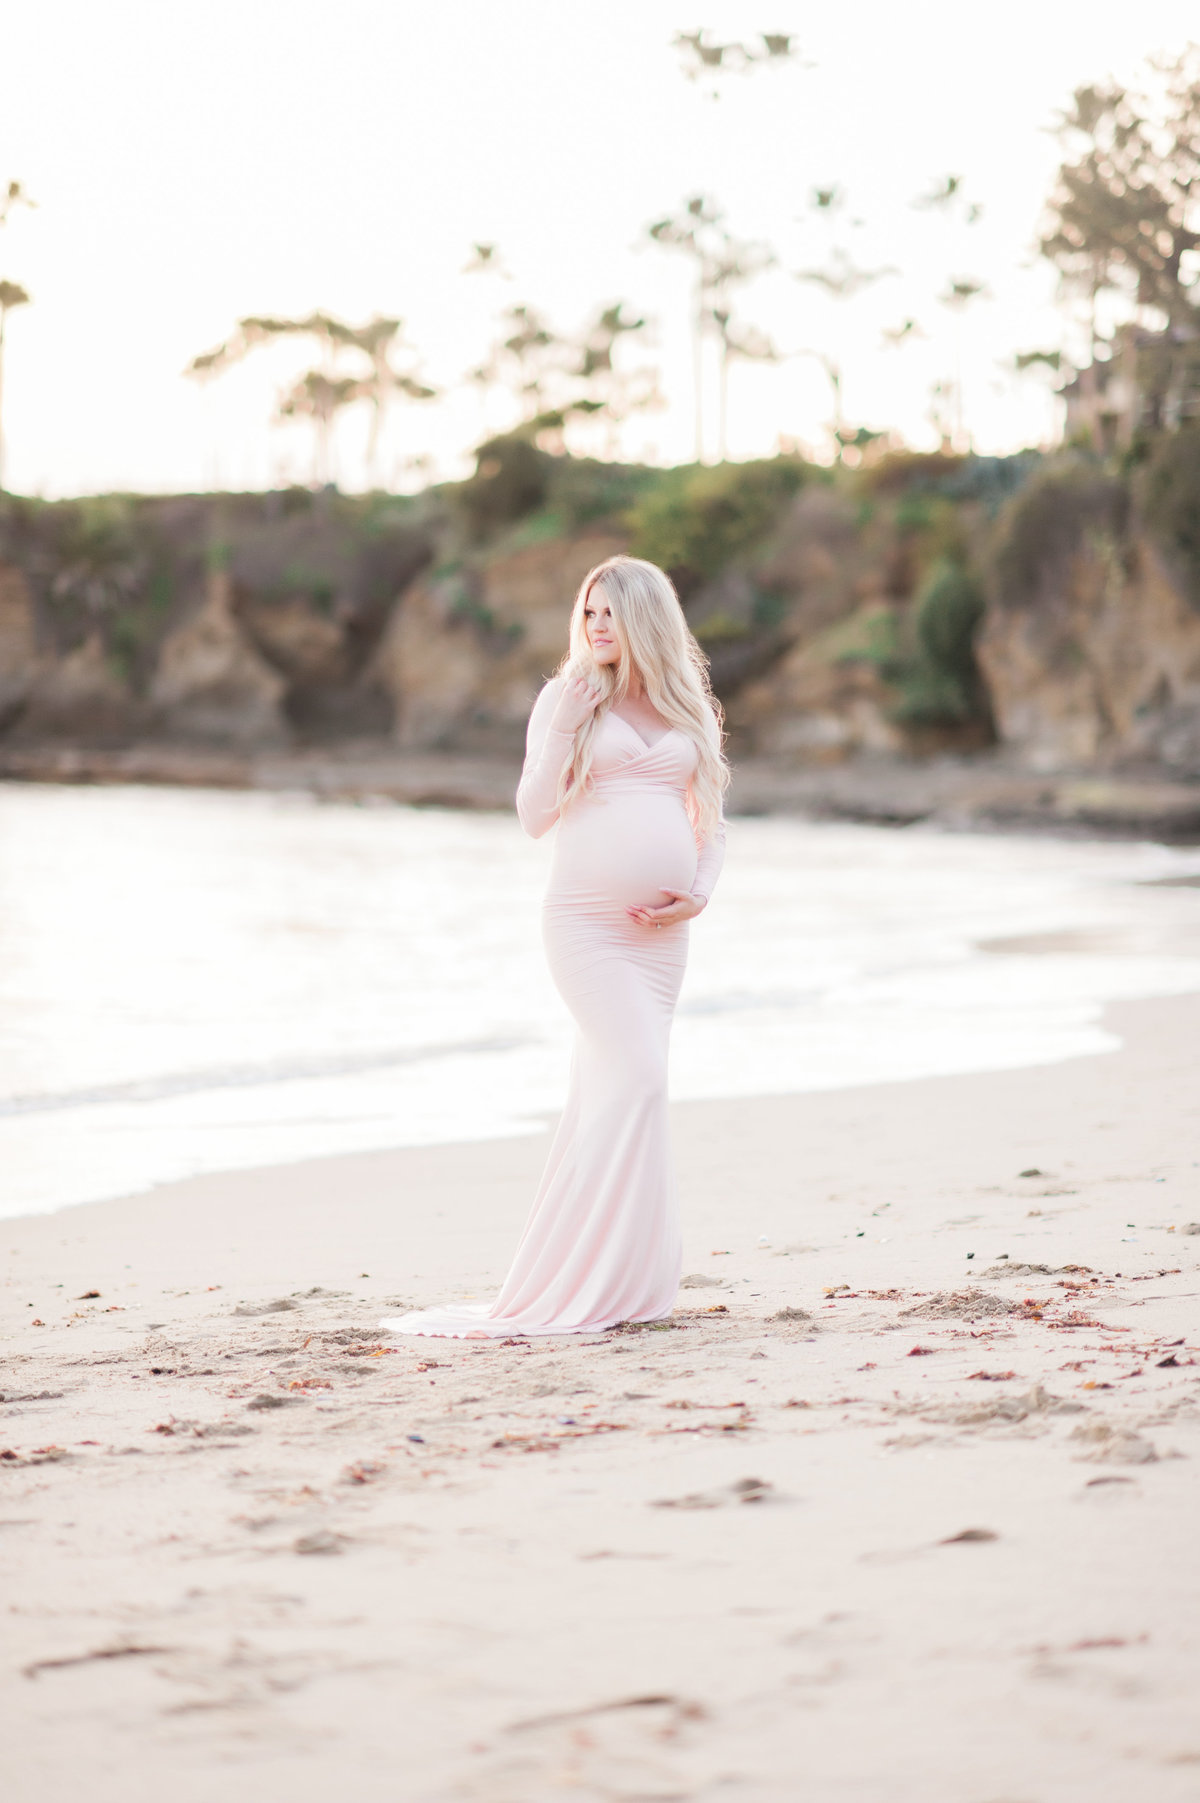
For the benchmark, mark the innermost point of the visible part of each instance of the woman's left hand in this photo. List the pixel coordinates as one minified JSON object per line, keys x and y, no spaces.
{"x":681,"y":906}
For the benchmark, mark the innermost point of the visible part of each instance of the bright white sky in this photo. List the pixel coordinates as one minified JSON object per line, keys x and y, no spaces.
{"x":193,"y":163}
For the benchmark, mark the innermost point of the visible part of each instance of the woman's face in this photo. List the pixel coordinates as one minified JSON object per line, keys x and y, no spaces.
{"x":601,"y":628}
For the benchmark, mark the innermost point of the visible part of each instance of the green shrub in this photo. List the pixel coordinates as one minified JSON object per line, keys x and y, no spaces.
{"x":695,"y":520}
{"x":940,"y":684}
{"x":584,"y":490}
{"x":929,"y":655}
{"x":989,"y":480}
{"x":512,"y":478}
{"x":722,"y":629}
{"x":949,"y":610}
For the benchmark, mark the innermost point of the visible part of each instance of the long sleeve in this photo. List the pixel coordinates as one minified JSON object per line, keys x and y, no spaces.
{"x":709,"y":862}
{"x":712,"y":853}
{"x":546,"y":752}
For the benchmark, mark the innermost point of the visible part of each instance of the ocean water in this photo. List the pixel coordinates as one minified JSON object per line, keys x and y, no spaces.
{"x":199,"y":981}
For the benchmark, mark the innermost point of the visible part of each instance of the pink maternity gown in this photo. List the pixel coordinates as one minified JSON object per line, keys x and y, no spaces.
{"x":602,"y":1242}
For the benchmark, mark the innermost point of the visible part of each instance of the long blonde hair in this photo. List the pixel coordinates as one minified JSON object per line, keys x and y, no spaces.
{"x":655,"y":642}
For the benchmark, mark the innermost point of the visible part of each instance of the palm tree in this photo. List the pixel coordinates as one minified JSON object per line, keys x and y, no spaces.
{"x":320,"y":394}
{"x":959,"y":294}
{"x":842,"y":279}
{"x":737,"y":263}
{"x":376,"y":341}
{"x":722,"y":263}
{"x":694,"y":233}
{"x":611,"y":392}
{"x":531,"y":347}
{"x":950,"y":198}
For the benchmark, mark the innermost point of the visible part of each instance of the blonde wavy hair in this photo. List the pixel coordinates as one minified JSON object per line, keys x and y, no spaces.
{"x":655,"y":641}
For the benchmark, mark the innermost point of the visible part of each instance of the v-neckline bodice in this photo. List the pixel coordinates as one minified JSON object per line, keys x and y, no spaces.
{"x":646,"y":744}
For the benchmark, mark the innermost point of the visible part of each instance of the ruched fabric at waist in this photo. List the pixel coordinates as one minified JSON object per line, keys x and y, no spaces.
{"x":606,"y":786}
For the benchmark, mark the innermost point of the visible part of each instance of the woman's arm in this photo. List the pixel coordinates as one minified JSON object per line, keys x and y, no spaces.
{"x":712,"y":852}
{"x":546,"y":752}
{"x":709,"y":862}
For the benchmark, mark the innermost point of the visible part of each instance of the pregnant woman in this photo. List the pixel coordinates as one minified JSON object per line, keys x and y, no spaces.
{"x":624,"y":754}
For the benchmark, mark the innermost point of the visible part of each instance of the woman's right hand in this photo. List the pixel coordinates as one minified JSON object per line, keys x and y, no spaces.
{"x":576,"y":703}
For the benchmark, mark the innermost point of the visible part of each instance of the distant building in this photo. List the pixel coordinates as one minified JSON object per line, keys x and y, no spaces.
{"x":1150,"y":383}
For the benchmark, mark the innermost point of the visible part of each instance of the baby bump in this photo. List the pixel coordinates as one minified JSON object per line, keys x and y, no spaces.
{"x":624,"y":848}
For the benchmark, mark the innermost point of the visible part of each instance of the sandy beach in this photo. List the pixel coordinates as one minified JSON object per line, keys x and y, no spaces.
{"x":900,"y":1507}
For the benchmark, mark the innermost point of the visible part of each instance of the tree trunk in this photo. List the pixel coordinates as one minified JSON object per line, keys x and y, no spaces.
{"x":698,"y":366}
{"x":723,"y":412}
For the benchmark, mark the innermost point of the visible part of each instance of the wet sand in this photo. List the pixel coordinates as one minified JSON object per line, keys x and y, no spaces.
{"x":900,"y":1507}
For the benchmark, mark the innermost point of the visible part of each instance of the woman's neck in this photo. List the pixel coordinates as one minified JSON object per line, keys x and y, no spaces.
{"x":633,"y":687}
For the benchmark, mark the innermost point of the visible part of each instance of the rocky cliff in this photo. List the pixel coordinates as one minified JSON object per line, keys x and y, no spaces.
{"x":922,"y":605}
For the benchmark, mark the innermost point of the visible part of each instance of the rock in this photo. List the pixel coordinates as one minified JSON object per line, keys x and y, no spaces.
{"x":298,"y":637}
{"x":820,"y":697}
{"x":431,"y":664}
{"x":1102,"y":668}
{"x":818,"y":704}
{"x":81,"y":697}
{"x":211,"y":684}
{"x":464,"y":653}
{"x":18,"y":643}
{"x":321,"y":1542}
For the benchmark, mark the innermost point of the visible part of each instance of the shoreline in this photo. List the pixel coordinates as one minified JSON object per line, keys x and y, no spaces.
{"x":919,"y":1447}
{"x":985,"y":792}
